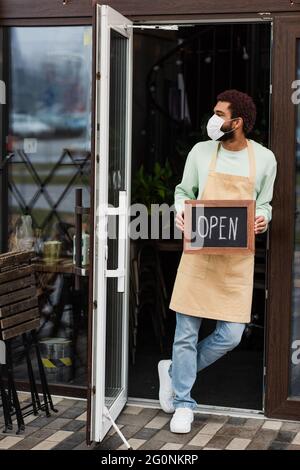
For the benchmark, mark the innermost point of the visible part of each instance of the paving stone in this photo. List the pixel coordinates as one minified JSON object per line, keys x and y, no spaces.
{"x":82,"y":417}
{"x":64,"y":445}
{"x":134,"y":443}
{"x":43,"y":421}
{"x":275,"y":425}
{"x":262,"y":440}
{"x":44,"y":445}
{"x":152,"y":444}
{"x":258,"y":445}
{"x":168,"y":436}
{"x":295,"y":427}
{"x":10,"y":441}
{"x":56,"y":400}
{"x":157,"y":422}
{"x":296,"y":439}
{"x":42,"y":433}
{"x":27,"y":432}
{"x":109,"y":443}
{"x":200,"y":440}
{"x":26,"y":444}
{"x":68,"y":402}
{"x":59,"y":411}
{"x":252,"y":423}
{"x":145,"y":433}
{"x":31,"y":418}
{"x":72,"y":413}
{"x":293,"y":447}
{"x":59,"y":436}
{"x":238,"y":444}
{"x":132,"y":410}
{"x":81,"y":404}
{"x":211,"y":428}
{"x":171,"y":446}
{"x":84,"y":446}
{"x":277,"y":445}
{"x":76,"y":437}
{"x":149,"y":429}
{"x":188,"y":447}
{"x":236,"y":421}
{"x":74,"y":425}
{"x":285,"y":436}
{"x":266,"y":435}
{"x":141,"y":419}
{"x":218,"y":419}
{"x":58,"y":423}
{"x":211,"y":448}
{"x":129,"y":431}
{"x":220,"y":441}
{"x":236,"y":431}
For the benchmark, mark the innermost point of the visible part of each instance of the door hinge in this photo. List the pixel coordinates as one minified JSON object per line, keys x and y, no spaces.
{"x":94,"y":390}
{"x":95,"y":305}
{"x":97,"y":158}
{"x":265,"y":371}
{"x":271,"y":88}
{"x":98,"y":76}
{"x":266,"y":293}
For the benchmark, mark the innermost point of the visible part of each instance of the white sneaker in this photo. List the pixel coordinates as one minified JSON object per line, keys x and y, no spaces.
{"x":182,"y":420}
{"x":165,"y":387}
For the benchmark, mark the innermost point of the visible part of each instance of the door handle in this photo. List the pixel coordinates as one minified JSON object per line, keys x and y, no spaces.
{"x":121,"y":212}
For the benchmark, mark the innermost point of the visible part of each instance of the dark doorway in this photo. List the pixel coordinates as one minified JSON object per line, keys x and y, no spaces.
{"x":177,"y":75}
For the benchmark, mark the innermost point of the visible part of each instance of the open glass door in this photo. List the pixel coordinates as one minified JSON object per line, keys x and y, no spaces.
{"x":112,"y":132}
{"x":283,"y":338}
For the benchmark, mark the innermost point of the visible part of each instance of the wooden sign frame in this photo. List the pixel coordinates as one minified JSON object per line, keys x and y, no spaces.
{"x":248,"y":203}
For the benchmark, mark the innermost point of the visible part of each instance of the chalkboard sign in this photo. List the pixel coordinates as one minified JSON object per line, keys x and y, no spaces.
{"x":219,"y":226}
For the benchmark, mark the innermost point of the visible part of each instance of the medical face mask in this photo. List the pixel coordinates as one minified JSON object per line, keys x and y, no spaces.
{"x":214,"y":127}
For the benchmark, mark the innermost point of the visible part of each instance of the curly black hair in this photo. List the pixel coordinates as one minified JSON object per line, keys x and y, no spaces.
{"x":241,"y":105}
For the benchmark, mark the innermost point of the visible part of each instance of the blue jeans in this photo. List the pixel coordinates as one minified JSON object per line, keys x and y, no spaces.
{"x":190,"y":356}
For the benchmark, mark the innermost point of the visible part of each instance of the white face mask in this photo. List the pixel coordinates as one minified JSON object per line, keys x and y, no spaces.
{"x":214,"y":127}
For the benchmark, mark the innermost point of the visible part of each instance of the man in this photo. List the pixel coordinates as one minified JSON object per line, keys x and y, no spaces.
{"x":220,"y":287}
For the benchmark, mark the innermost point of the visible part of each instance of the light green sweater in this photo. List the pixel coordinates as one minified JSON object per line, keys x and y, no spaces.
{"x":234,"y":162}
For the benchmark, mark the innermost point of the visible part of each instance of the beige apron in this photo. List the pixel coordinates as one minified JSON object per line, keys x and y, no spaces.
{"x":218,"y":286}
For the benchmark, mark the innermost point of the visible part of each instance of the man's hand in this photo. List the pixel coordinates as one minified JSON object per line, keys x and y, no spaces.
{"x":260,"y":224}
{"x":179,"y":221}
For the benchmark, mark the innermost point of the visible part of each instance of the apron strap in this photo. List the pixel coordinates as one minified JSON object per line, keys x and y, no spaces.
{"x":212,"y":166}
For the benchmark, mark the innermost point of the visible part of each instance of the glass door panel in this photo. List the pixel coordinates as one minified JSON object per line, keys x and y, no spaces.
{"x":46,"y":156}
{"x":283,"y":302}
{"x":294,"y":377}
{"x":113,"y":51}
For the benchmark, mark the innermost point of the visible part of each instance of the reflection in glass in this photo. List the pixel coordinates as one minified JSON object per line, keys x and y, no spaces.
{"x":295,"y":331}
{"x":49,"y":143}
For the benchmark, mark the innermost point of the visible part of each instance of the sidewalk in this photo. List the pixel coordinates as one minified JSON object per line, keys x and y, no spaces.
{"x":148,"y":428}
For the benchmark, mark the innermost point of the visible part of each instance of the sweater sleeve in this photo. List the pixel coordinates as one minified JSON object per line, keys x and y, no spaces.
{"x":188,"y":187}
{"x":264,"y":197}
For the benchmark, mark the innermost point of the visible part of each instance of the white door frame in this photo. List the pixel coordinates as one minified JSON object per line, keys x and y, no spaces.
{"x":106,"y":20}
